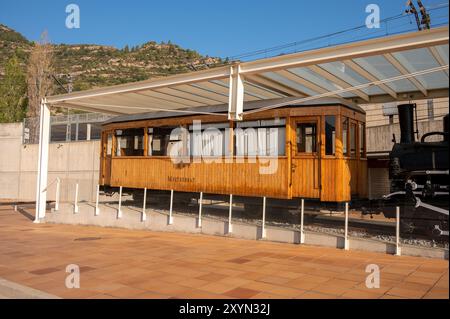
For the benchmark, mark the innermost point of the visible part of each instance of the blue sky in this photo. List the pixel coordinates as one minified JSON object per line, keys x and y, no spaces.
{"x":216,"y":28}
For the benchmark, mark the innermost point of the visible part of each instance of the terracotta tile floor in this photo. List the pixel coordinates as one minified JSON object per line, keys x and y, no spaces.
{"x":120,"y":263}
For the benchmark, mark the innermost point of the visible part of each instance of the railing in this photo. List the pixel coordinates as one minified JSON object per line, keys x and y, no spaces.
{"x":66,"y":128}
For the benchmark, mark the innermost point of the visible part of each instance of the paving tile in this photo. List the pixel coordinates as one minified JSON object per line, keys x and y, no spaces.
{"x":361,"y":294}
{"x":267,"y":295}
{"x":406,"y":293}
{"x":126,"y":292}
{"x":218,"y":287}
{"x":44,"y":271}
{"x":239,"y":260}
{"x":421,"y":280}
{"x":211,"y":277}
{"x":437,"y":293}
{"x":241,"y":293}
{"x":315,"y":295}
{"x":387,"y":296}
{"x":274,"y":280}
{"x":201,"y":294}
{"x":287,"y":292}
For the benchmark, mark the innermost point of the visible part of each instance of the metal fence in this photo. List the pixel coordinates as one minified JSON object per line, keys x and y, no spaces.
{"x":66,"y":128}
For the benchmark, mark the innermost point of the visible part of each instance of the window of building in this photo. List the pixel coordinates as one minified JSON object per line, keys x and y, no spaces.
{"x":306,"y":137}
{"x":130,"y":142}
{"x":82,"y":132}
{"x":391,"y":119}
{"x":73,"y":132}
{"x":96,"y":131}
{"x":58,"y":133}
{"x":353,"y":139}
{"x":362,"y":140}
{"x":344,"y":136}
{"x":330,"y":135}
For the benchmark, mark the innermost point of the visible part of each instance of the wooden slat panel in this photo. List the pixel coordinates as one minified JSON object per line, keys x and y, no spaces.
{"x":217,"y":178}
{"x":305,"y":178}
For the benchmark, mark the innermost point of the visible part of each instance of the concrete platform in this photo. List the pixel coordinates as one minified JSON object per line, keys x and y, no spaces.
{"x":122,"y":263}
{"x":159,"y":221}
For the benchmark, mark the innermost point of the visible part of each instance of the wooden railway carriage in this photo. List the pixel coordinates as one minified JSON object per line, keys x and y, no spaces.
{"x":315,"y":150}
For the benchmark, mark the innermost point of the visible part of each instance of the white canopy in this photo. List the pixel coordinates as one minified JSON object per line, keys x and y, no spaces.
{"x":401,"y":67}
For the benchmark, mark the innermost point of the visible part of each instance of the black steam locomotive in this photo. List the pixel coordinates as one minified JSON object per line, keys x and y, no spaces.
{"x":418,"y":172}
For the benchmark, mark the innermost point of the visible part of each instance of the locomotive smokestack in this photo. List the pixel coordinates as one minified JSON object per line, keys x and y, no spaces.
{"x":406,"y":119}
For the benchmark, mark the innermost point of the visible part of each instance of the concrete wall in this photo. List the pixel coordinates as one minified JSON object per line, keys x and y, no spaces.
{"x":10,"y":159}
{"x":71,"y":162}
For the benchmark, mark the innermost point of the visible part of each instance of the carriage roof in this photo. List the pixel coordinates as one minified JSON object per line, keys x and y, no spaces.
{"x":223,"y":108}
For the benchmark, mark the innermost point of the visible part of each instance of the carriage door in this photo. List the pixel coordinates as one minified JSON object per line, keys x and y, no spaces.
{"x":107,"y":151}
{"x":306,"y":157}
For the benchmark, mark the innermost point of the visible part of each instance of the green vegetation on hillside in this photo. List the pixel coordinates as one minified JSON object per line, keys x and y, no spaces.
{"x":93,"y":66}
{"x":13,"y":92}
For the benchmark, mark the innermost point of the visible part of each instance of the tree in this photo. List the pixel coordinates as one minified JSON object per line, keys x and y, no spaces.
{"x":39,"y":75}
{"x":13,"y":92}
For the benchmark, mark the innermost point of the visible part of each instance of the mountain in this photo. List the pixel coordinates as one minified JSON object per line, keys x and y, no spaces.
{"x":93,"y":66}
{"x":12,"y":42}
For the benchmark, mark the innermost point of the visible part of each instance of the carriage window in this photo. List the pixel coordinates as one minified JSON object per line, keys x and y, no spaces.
{"x":209,"y":140}
{"x":362,"y":140}
{"x":344,"y":136}
{"x":109,"y":144}
{"x":330,"y":135}
{"x":159,"y":141}
{"x":306,"y":137}
{"x":352,"y":139}
{"x":261,"y":138}
{"x":130,"y":142}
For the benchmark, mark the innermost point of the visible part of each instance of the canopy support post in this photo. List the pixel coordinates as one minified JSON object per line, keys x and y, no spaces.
{"x":236,"y":94}
{"x":42,"y":171}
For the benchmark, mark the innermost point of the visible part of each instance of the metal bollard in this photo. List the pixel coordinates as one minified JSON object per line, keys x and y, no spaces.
{"x":119,"y":211}
{"x":57,"y":195}
{"x":171,"y":208}
{"x":75,"y":207}
{"x":230,"y":212}
{"x":263,"y":228}
{"x":398,"y":249}
{"x":97,"y":209}
{"x":302,"y":216}
{"x":346,"y":242}
{"x":199,"y":224}
{"x":144,"y":214}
